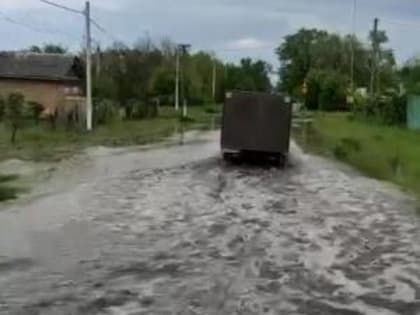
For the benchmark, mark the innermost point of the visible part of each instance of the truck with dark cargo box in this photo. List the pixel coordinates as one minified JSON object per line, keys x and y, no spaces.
{"x":256,"y":125}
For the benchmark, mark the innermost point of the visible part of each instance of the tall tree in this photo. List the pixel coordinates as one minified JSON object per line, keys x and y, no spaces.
{"x":54,"y":49}
{"x":249,"y":75}
{"x":298,"y":55}
{"x":35,"y":49}
{"x":48,"y":49}
{"x":322,"y":62}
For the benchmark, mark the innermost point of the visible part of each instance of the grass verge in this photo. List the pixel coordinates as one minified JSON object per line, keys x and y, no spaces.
{"x":40,"y":143}
{"x":382,"y":152}
{"x":7,"y":192}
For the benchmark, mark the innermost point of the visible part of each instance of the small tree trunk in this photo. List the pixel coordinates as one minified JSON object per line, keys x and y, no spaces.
{"x":53,"y":120}
{"x":14,"y":132}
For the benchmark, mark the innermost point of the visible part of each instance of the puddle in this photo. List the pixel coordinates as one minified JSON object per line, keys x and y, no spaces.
{"x":172,"y":229}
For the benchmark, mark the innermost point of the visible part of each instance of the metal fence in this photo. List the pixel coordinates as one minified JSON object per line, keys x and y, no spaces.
{"x":413,"y":112}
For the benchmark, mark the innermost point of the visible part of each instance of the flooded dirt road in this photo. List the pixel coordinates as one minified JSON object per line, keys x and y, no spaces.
{"x":173,"y":230}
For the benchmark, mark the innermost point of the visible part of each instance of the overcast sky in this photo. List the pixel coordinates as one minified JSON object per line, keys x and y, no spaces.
{"x":231,"y":28}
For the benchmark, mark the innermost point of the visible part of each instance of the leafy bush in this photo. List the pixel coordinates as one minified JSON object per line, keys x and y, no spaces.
{"x":7,"y":192}
{"x":104,"y":111}
{"x":340,"y":151}
{"x":140,"y":110}
{"x":346,"y":146}
{"x":332,"y":94}
{"x":325,"y":90}
{"x":211,"y":110}
{"x":35,"y":110}
{"x":392,"y":109}
{"x":361,"y":104}
{"x":351,"y":144}
{"x":186,"y":119}
{"x":8,"y":178}
{"x":136,"y":109}
{"x":152,"y":110}
{"x":15,"y":113}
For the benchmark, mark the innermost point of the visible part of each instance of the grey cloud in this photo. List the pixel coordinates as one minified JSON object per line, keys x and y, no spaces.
{"x":214,"y":24}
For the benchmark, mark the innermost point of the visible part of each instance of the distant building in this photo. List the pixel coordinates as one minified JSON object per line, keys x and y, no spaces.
{"x":52,"y":80}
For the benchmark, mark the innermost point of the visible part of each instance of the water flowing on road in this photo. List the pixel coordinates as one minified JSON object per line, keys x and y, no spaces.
{"x":172,"y":229}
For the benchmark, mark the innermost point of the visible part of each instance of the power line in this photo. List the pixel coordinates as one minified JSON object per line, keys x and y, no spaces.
{"x":61,"y":6}
{"x":94,"y":22}
{"x":34,"y":28}
{"x":246,"y":49}
{"x":239,"y":49}
{"x":86,"y":14}
{"x":401,"y":23}
{"x":103,"y":30}
{"x":98,"y":26}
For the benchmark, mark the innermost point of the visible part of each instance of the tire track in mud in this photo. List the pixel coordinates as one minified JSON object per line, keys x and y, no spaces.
{"x":208,"y":238}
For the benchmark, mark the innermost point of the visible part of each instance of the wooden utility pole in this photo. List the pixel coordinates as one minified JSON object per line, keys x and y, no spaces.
{"x":88,"y":49}
{"x":374,"y":66}
{"x":177,"y":70}
{"x":184,"y":49}
{"x":88,"y":69}
{"x":214,"y":80}
{"x":98,"y":62}
{"x":353,"y":39}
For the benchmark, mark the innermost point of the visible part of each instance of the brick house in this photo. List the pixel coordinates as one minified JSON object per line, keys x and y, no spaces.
{"x":52,"y":80}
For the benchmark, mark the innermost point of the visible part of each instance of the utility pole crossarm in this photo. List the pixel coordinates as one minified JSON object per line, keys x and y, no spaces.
{"x":60,"y":6}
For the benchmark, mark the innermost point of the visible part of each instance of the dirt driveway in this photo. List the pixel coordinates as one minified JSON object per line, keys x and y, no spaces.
{"x":173,"y":230}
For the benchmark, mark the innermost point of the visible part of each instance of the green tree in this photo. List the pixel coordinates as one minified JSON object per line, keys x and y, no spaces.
{"x":326,"y":90}
{"x":332,"y":94}
{"x":54,"y":49}
{"x":298,"y":55}
{"x":48,"y":49}
{"x":162,"y":82}
{"x":147,"y":71}
{"x":322,"y":61}
{"x":15,"y":113}
{"x":410,"y":76}
{"x":249,"y":75}
{"x":35,"y":49}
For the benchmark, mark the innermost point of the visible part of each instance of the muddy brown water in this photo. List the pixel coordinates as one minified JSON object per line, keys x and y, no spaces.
{"x":174,"y":230}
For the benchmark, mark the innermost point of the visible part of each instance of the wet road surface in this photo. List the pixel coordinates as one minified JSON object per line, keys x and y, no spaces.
{"x":174,"y":230}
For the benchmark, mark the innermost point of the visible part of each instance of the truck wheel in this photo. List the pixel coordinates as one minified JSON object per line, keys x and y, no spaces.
{"x":228,"y":157}
{"x":282,"y":160}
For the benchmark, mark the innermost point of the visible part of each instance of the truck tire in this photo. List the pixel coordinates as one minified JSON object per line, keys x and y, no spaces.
{"x":281,"y":160}
{"x":228,"y":156}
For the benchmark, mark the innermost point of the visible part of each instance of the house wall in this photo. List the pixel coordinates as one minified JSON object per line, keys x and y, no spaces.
{"x":50,"y":94}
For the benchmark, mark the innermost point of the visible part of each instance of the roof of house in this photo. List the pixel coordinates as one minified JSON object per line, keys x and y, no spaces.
{"x":32,"y":66}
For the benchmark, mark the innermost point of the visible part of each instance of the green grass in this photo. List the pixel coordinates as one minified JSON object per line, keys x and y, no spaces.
{"x":40,"y":143}
{"x":7,"y":192}
{"x":383,"y":152}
